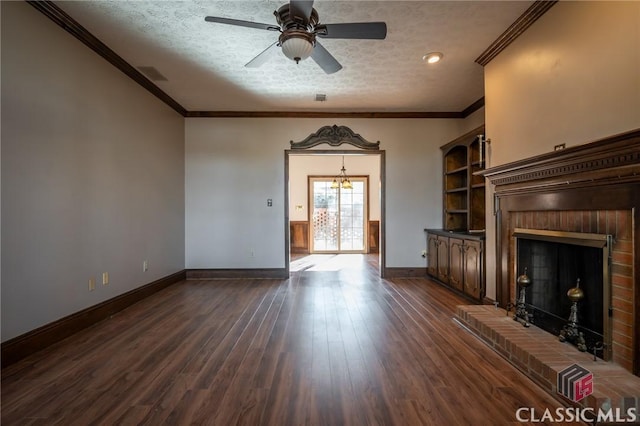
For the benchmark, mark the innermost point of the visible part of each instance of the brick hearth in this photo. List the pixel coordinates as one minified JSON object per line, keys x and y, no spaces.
{"x":541,"y":356}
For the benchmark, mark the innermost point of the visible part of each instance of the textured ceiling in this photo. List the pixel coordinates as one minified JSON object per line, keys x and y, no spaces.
{"x":204,"y":62}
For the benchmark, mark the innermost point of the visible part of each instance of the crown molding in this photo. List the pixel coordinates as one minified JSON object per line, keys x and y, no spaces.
{"x":66,"y":22}
{"x":58,"y":16}
{"x":473,"y":107}
{"x":531,"y":15}
{"x":319,"y":114}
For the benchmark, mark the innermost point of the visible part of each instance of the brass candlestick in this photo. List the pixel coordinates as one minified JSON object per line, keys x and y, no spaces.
{"x":570,"y":331}
{"x":522,"y":316}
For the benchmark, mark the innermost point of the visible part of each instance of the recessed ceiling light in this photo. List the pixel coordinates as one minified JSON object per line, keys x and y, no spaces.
{"x":432,"y":58}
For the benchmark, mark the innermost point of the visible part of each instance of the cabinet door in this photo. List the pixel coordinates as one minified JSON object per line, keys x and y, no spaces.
{"x":473,"y":268}
{"x":456,"y":263}
{"x":432,"y":252}
{"x":443,"y":259}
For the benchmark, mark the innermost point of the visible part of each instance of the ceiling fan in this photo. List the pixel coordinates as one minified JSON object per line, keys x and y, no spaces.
{"x":298,"y":24}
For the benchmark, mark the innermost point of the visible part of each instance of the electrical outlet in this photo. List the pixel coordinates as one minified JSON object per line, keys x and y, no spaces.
{"x":105,"y":278}
{"x":92,"y":284}
{"x":252,"y":253}
{"x":145,"y":266}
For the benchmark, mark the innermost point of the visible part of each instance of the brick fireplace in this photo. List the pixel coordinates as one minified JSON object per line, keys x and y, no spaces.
{"x":616,"y":223}
{"x":588,"y":189}
{"x":592,"y":188}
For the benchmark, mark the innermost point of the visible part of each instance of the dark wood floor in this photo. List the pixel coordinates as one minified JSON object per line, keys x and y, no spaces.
{"x":330,"y":347}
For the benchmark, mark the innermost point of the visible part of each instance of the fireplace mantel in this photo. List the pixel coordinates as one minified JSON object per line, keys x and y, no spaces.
{"x":615,"y":159}
{"x":593,"y":187}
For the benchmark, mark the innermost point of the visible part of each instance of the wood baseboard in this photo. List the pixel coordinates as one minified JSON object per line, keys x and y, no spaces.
{"x":210,"y":274}
{"x":488,"y":301}
{"x":405,"y":272}
{"x":299,"y":251}
{"x":33,"y":341}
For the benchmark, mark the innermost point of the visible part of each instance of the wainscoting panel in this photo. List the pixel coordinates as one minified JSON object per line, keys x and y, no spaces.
{"x":374,"y":236}
{"x":299,"y":231}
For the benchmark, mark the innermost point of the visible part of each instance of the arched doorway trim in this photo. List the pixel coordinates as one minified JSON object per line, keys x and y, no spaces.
{"x":335,"y":136}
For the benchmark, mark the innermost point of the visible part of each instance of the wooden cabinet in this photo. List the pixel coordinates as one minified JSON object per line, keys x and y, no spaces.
{"x":432,"y":255}
{"x":457,"y":260}
{"x":455,"y":253}
{"x":473,"y":273}
{"x":463,"y":191}
{"x":456,"y":263}
{"x":443,"y":259}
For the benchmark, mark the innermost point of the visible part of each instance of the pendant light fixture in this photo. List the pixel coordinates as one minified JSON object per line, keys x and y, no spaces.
{"x":342,"y":180}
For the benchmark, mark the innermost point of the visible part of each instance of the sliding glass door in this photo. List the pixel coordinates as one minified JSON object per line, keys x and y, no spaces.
{"x":339,"y":216}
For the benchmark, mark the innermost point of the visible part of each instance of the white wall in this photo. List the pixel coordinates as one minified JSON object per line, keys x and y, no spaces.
{"x":302,"y":166}
{"x":92,"y":176}
{"x":93,"y":179}
{"x":572,"y":77}
{"x":234,"y":165}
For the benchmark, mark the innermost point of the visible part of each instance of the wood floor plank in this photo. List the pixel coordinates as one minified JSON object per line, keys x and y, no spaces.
{"x":332,"y":347}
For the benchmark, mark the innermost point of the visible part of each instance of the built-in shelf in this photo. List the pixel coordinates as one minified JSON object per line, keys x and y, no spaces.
{"x":463,"y":189}
{"x":455,"y":254}
{"x":457,"y":190}
{"x":458,"y":170}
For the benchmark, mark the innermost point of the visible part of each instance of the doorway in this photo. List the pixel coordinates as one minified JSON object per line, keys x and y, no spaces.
{"x":338,"y":215}
{"x":298,"y":207}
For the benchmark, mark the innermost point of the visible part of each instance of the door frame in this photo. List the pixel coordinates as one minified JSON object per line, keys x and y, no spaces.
{"x":365,"y":213}
{"x":369,"y":152}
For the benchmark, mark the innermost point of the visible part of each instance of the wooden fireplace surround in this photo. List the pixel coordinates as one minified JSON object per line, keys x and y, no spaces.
{"x":593,"y":181}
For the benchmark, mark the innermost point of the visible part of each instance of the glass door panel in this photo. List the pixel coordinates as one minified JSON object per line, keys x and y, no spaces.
{"x":338,"y":216}
{"x":325,"y":216}
{"x":352,"y":217}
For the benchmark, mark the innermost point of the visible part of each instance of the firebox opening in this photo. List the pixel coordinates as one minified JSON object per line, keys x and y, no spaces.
{"x":555,"y":261}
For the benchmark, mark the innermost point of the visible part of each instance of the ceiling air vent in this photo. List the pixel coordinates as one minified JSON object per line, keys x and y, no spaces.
{"x":320,"y":97}
{"x":152,"y":73}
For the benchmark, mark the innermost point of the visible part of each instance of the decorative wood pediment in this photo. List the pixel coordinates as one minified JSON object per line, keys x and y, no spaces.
{"x":335,"y":136}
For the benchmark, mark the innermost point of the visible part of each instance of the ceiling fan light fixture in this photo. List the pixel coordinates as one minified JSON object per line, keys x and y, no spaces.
{"x":433,"y":57}
{"x":297,"y":46}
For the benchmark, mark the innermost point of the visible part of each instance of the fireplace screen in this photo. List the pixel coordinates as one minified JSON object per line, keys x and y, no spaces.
{"x":555,"y":261}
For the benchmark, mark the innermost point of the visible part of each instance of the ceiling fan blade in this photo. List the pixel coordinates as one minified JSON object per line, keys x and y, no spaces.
{"x":323,"y":58}
{"x":301,"y":9}
{"x":263,"y":57}
{"x":240,"y":23}
{"x":358,"y":30}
